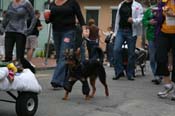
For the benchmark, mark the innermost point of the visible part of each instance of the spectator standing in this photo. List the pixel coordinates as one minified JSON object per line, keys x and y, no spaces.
{"x":15,"y":26}
{"x":93,"y":39}
{"x":127,"y":27}
{"x":149,"y":22}
{"x":32,"y":38}
{"x":109,"y":40}
{"x":166,"y":42}
{"x":63,"y":15}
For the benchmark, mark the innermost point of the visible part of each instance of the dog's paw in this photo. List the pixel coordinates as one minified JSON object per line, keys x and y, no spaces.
{"x":91,"y":96}
{"x":87,"y":97}
{"x":65,"y":98}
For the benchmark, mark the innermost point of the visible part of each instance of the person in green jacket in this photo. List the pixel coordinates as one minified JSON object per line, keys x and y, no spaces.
{"x":149,"y":22}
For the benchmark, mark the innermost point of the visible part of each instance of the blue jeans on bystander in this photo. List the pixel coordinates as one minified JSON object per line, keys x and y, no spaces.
{"x":122,"y":36}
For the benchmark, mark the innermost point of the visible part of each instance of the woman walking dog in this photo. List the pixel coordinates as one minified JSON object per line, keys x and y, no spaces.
{"x":62,"y":14}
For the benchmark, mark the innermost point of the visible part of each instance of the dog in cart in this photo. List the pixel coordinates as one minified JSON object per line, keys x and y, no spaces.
{"x":82,"y":71}
{"x":140,"y":55}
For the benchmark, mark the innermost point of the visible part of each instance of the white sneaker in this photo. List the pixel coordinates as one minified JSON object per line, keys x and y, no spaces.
{"x":32,"y":64}
{"x":167,"y":90}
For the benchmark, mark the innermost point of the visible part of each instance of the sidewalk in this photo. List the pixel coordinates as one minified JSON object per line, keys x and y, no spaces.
{"x":41,"y":64}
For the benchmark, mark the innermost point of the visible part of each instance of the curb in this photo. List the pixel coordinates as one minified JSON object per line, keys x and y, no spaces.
{"x":44,"y":68}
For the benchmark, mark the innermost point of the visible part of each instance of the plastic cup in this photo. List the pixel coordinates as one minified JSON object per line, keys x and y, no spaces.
{"x":47,"y":14}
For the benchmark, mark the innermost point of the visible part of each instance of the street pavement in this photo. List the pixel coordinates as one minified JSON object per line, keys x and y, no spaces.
{"x":127,"y":98}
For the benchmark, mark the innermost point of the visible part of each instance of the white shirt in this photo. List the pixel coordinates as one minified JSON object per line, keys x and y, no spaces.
{"x":137,"y":14}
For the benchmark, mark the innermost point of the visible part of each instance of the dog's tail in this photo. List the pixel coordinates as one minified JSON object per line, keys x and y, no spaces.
{"x":102,"y":78}
{"x":99,"y":55}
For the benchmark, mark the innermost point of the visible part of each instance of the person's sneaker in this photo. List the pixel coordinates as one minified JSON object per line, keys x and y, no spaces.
{"x":157,"y":81}
{"x":55,"y":85}
{"x":167,"y":90}
{"x":118,"y":77}
{"x":131,"y":79}
{"x":32,"y":64}
{"x":154,"y":80}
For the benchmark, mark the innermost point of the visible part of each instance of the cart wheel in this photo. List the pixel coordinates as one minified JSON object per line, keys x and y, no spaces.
{"x":26,"y":104}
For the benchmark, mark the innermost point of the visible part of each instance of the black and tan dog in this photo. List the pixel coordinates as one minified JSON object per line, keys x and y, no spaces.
{"x":82,"y":71}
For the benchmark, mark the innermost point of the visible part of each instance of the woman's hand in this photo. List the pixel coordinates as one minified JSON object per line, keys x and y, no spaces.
{"x":47,"y":14}
{"x":153,"y":22}
{"x":85,"y":32}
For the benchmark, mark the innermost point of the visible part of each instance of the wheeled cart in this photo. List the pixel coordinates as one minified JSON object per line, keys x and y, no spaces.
{"x":26,"y":87}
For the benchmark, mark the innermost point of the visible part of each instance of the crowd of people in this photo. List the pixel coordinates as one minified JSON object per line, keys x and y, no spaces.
{"x":70,"y":31}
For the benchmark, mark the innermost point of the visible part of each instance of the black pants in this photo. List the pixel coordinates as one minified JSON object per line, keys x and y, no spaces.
{"x":12,"y":38}
{"x":164,"y":44}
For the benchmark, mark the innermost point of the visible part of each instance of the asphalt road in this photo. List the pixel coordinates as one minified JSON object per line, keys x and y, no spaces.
{"x":127,"y":98}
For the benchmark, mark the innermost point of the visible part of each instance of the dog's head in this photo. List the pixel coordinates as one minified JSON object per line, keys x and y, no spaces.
{"x":72,"y":57}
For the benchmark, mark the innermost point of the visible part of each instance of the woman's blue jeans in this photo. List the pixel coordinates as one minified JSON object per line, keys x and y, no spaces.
{"x":122,"y":36}
{"x":152,"y":53}
{"x":62,"y":41}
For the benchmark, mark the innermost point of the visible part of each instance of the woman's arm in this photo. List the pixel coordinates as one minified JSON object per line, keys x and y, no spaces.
{"x":3,"y":24}
{"x":146,"y":19}
{"x":79,"y":13}
{"x":31,"y":14}
{"x":5,"y":20}
{"x":137,"y":20}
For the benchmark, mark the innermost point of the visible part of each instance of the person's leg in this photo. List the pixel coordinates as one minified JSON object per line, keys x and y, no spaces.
{"x":131,"y":41}
{"x":28,"y":48}
{"x":67,"y":42}
{"x":153,"y":64}
{"x":57,"y":37}
{"x":31,"y":44}
{"x":163,"y":47}
{"x":117,"y":51}
{"x":30,"y":53}
{"x":20,"y":49}
{"x":9,"y":45}
{"x":173,"y":62}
